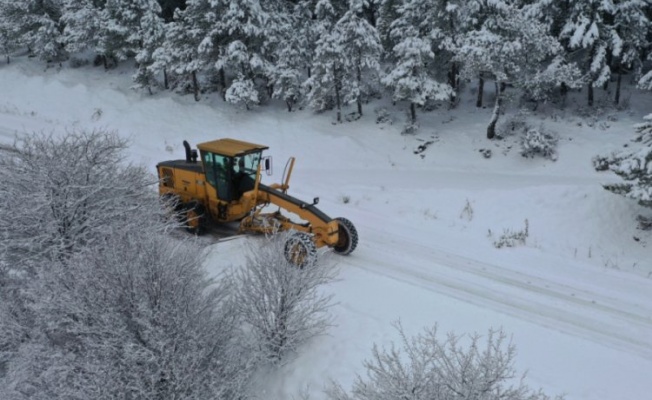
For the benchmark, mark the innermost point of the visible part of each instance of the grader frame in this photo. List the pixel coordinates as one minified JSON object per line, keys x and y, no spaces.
{"x":224,"y":185}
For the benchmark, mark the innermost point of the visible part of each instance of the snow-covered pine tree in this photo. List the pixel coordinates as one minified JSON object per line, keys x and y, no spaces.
{"x":152,"y":35}
{"x":632,"y":26}
{"x":120,"y":33}
{"x":588,"y":31}
{"x":474,"y":13}
{"x":305,"y":31}
{"x":182,"y":54}
{"x":633,"y":165}
{"x":82,"y":24}
{"x":241,"y":30}
{"x":328,"y":12}
{"x":169,"y":7}
{"x":324,"y":87}
{"x":279,"y":28}
{"x":291,"y":58}
{"x":511,"y":48}
{"x":447,"y":36}
{"x":312,"y":18}
{"x":242,"y":89}
{"x":361,"y":48}
{"x":411,"y":77}
{"x":387,"y":14}
{"x":36,"y":24}
{"x":10,"y":37}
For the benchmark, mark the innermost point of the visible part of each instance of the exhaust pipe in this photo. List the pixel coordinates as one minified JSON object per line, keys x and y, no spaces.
{"x":188,"y":152}
{"x":191,"y":155}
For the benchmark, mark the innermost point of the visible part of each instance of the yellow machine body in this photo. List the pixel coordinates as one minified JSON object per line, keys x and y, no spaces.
{"x":223,"y":184}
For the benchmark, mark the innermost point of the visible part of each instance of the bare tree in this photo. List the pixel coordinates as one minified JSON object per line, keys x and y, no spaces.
{"x":281,"y":304}
{"x":132,"y":317}
{"x":97,"y":299}
{"x":427,"y":368}
{"x":61,"y":193}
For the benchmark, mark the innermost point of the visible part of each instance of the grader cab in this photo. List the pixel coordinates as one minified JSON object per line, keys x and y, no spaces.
{"x":222,"y":183}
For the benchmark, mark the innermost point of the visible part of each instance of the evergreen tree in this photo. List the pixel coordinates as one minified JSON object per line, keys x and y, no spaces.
{"x":633,"y":165}
{"x":82,"y":24}
{"x":10,"y":37}
{"x":632,"y":31}
{"x":152,"y":32}
{"x":387,"y":14}
{"x":361,"y":46}
{"x":168,"y":8}
{"x":450,"y":27}
{"x":511,"y":48}
{"x":325,"y":85}
{"x":242,"y":90}
{"x":36,"y":24}
{"x":588,"y":29}
{"x":473,"y":16}
{"x":303,"y":19}
{"x":241,"y":26}
{"x":411,"y":77}
{"x":120,"y":34}
{"x":290,"y":60}
{"x":183,"y":52}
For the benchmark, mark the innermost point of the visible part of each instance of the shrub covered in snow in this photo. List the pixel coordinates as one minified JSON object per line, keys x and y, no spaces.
{"x":97,"y":300}
{"x":514,"y":124}
{"x":633,"y":165}
{"x":428,"y":368}
{"x":242,"y":91}
{"x":281,"y":305}
{"x":511,"y":238}
{"x":539,"y":142}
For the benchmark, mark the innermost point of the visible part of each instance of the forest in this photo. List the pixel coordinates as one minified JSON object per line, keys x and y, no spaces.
{"x":329,"y":53}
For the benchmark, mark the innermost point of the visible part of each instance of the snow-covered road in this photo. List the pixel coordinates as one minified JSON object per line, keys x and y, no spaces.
{"x":576,"y":297}
{"x":610,"y":311}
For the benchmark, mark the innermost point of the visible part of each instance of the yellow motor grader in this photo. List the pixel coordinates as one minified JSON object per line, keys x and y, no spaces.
{"x":224,"y":185}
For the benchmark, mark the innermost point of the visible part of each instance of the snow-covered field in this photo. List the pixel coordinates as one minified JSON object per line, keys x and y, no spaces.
{"x":576,"y":298}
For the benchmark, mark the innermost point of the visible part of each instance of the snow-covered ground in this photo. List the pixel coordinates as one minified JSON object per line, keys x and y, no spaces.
{"x":576,"y":297}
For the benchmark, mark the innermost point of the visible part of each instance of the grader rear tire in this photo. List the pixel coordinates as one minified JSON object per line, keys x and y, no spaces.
{"x":194,"y":218}
{"x":347,"y":237}
{"x":300,"y":250}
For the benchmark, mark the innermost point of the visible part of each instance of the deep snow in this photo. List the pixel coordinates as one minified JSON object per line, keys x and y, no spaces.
{"x":576,"y":298}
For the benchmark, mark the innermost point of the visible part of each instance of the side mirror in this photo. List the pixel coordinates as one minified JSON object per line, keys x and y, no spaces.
{"x":315,"y":201}
{"x":268,"y":165}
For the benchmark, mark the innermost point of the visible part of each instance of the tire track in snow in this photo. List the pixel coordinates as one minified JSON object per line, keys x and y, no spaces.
{"x":591,"y":315}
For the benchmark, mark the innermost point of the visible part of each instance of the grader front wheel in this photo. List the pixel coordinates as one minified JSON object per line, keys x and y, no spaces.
{"x":347,"y":237}
{"x":300,"y":250}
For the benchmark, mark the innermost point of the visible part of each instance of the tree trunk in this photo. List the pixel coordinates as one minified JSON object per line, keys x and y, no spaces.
{"x":413,"y":112}
{"x":591,"y":94}
{"x":166,"y":83}
{"x":289,"y":104}
{"x":337,"y":99}
{"x":491,"y":129}
{"x":195,"y":85}
{"x":478,"y":102}
{"x":453,"y":81}
{"x":618,"y":81}
{"x":223,"y":83}
{"x":270,"y":89}
{"x":359,"y":77}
